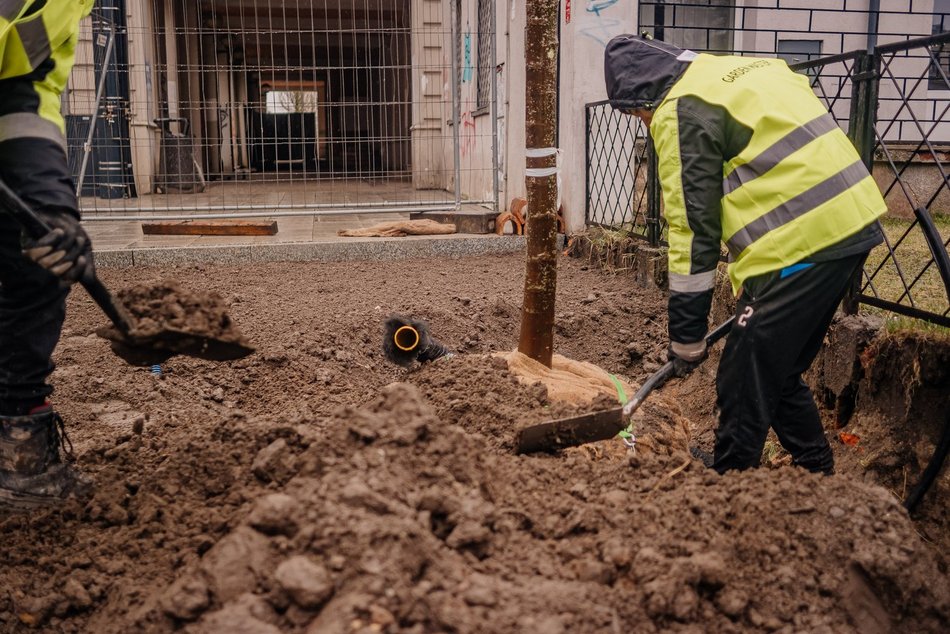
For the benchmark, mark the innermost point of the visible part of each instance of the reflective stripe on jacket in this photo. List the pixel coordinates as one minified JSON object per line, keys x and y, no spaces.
{"x":790,"y":181}
{"x":32,"y":32}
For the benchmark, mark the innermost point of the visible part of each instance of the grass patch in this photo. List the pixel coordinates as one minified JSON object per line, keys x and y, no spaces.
{"x":773,"y":454}
{"x":896,"y":324}
{"x":907,"y":267}
{"x":610,"y":249}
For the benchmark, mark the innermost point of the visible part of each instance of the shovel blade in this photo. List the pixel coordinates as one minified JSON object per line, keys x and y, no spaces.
{"x":158,"y":348}
{"x":199,"y":346}
{"x":571,"y":432}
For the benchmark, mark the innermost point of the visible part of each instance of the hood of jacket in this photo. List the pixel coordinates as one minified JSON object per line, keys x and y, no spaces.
{"x":640,"y":72}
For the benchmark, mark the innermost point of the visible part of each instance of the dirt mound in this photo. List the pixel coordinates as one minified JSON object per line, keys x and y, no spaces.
{"x":288,"y":491}
{"x":405,"y":521}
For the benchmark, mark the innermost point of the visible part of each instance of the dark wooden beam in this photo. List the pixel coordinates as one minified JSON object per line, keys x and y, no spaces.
{"x":211,"y":228}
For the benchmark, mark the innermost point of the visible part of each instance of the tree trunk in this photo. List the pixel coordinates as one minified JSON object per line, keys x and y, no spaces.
{"x":541,"y":53}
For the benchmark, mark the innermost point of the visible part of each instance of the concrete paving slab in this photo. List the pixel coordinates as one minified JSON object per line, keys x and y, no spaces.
{"x":162,"y":241}
{"x":311,"y":237}
{"x":214,"y":241}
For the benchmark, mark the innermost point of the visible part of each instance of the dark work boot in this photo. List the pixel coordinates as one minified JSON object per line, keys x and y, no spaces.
{"x":32,"y":471}
{"x":702,"y":455}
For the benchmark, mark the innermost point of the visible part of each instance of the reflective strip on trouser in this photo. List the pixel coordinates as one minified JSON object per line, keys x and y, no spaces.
{"x":797,"y":206}
{"x":35,"y":40}
{"x":695,"y":283}
{"x":778,"y":152}
{"x":20,"y":125}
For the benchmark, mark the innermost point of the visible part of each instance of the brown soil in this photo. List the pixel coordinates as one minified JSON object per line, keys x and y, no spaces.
{"x":313,"y":488}
{"x":894,"y":410}
{"x":167,"y":305}
{"x":166,"y":319}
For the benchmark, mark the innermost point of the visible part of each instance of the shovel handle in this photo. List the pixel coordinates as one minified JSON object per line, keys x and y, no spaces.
{"x":113,"y":310}
{"x":36,"y":228}
{"x":656,"y":380}
{"x":660,"y":377}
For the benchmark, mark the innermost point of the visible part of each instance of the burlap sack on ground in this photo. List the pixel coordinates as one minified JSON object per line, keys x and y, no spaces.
{"x":568,"y":381}
{"x":400,"y":228}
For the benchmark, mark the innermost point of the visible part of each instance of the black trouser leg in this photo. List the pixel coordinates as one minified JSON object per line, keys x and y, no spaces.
{"x":798,"y":427}
{"x":779,"y":329}
{"x":32,"y":301}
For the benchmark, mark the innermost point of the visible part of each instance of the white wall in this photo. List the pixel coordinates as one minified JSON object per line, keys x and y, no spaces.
{"x":583,"y":39}
{"x":761,"y":25}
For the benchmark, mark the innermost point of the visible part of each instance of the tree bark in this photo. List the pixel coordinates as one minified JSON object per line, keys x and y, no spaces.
{"x":541,"y":53}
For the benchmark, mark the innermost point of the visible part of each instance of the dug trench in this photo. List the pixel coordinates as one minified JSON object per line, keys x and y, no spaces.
{"x":311,"y":487}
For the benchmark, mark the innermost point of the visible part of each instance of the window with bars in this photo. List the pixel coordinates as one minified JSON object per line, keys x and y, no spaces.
{"x":699,"y":25}
{"x":941,"y":53}
{"x":486,"y":34}
{"x":794,"y":51}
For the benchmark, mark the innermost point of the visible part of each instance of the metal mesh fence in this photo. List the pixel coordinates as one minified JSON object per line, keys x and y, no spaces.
{"x":894,"y":103}
{"x":281,"y":107}
{"x":910,"y":275}
{"x":616,"y":169}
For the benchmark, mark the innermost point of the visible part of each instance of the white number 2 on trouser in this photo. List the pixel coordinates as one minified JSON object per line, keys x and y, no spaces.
{"x":745,"y":316}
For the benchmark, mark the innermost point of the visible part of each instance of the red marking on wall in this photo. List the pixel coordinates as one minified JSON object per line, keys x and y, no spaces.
{"x":467,"y":133}
{"x":567,"y":11}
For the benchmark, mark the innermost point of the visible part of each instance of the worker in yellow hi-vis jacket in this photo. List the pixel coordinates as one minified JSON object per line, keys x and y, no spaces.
{"x":37,"y":49}
{"x":750,"y":157}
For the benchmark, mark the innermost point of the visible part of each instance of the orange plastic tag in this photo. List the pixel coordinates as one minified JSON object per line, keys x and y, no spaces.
{"x":849,"y":439}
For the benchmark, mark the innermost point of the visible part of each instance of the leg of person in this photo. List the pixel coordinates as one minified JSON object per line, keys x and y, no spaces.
{"x":797,"y":421}
{"x":744,"y":387}
{"x":779,"y":328}
{"x":32,"y":310}
{"x":797,"y":424}
{"x":32,"y":300}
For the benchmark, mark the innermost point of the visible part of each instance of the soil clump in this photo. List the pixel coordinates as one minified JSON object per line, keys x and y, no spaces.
{"x":167,"y":305}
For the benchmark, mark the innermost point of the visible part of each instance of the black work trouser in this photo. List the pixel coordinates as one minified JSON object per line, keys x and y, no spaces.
{"x":780,"y":326}
{"x":32,"y":300}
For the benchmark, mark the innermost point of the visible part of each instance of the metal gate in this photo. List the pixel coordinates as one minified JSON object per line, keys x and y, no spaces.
{"x":265,"y":107}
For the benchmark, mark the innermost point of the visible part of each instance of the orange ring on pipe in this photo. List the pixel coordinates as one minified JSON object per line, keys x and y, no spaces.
{"x":415,"y":343}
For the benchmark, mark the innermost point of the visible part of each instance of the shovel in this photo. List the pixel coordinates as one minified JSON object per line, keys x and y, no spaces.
{"x":136,"y":349}
{"x":579,"y":430}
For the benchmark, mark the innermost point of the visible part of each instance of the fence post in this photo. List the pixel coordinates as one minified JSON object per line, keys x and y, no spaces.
{"x":862,"y":123}
{"x":455,"y":30}
{"x":653,"y":195}
{"x":587,"y":109}
{"x":865,"y":81}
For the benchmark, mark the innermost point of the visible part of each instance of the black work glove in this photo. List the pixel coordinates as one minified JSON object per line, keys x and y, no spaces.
{"x":66,"y":251}
{"x":686,"y":357}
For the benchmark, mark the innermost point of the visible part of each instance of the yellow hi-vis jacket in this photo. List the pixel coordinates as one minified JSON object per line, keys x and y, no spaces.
{"x":797,"y":186}
{"x":38,"y":41}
